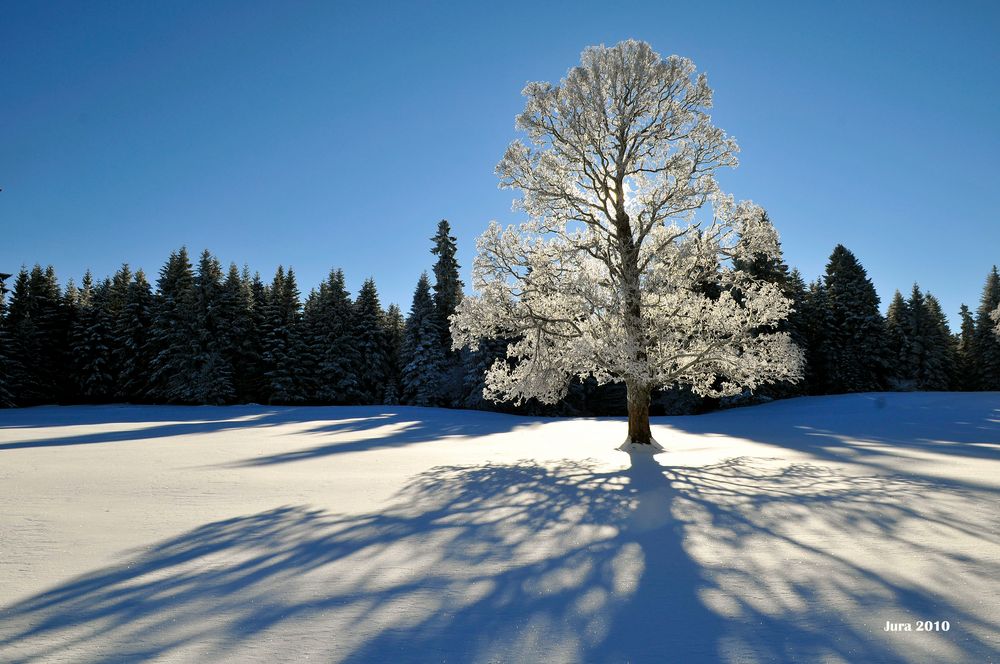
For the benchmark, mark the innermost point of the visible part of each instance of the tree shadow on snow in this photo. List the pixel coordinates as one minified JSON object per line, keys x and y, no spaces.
{"x":860,"y":428}
{"x":742,"y":561}
{"x":378,"y":426}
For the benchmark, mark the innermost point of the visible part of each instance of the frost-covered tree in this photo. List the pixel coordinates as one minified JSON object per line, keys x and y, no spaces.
{"x":605,"y":277}
{"x":423,"y":357}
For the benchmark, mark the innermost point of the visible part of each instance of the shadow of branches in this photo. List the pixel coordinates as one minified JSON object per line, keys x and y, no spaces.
{"x":749,"y":560}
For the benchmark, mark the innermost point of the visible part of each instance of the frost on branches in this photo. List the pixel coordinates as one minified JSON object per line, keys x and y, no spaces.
{"x":614,"y":276}
{"x":996,"y":316}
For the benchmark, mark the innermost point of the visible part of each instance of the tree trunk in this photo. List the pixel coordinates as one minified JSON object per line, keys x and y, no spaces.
{"x":638,"y":414}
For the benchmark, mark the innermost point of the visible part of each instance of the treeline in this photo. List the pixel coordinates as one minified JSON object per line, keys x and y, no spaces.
{"x":209,"y":336}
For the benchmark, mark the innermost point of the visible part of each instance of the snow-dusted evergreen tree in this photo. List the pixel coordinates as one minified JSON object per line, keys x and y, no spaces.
{"x":131,"y":339}
{"x":604,"y":278}
{"x":965,"y":359}
{"x":816,"y":324}
{"x":330,"y":324}
{"x":212,"y":381}
{"x":395,"y":327}
{"x":7,"y":371}
{"x":447,"y":284}
{"x":38,"y":324}
{"x":898,"y":343}
{"x":258,"y":312}
{"x":91,"y":340}
{"x":447,"y":295}
{"x":986,"y":343}
{"x":424,"y":360}
{"x":856,"y":357}
{"x":939,"y":370}
{"x":371,"y":343}
{"x":283,"y":345}
{"x":241,"y":342}
{"x":173,"y":337}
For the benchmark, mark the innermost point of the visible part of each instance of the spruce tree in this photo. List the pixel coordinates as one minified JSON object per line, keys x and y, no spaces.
{"x":330,"y":326}
{"x":447,"y":295}
{"x":91,"y":341}
{"x":897,"y":328}
{"x":965,"y":359}
{"x":986,"y":344}
{"x":816,"y":324}
{"x":131,"y":340}
{"x":918,"y":332}
{"x":447,"y":284}
{"x":938,"y":371}
{"x":282,"y":341}
{"x":394,"y":334}
{"x":855,"y":352}
{"x":212,"y":381}
{"x":6,"y":364}
{"x":173,"y":337}
{"x":38,"y":324}
{"x":241,"y":344}
{"x":370,"y":339}
{"x":423,"y":356}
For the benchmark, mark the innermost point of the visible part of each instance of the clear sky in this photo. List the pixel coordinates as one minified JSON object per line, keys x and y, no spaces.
{"x":323,"y":134}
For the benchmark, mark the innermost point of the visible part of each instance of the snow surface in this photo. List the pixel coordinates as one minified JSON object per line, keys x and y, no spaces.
{"x":788,"y":532}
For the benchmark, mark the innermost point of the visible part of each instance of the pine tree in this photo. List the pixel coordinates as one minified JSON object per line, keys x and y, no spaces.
{"x":6,"y":364}
{"x":447,"y":284}
{"x":212,"y":381}
{"x":131,"y":340}
{"x":986,"y":344}
{"x":38,"y":324}
{"x":938,"y":371}
{"x":816,"y":323}
{"x":447,"y":296}
{"x":330,"y":326}
{"x":855,"y":352}
{"x":423,"y":356}
{"x":240,"y":346}
{"x":965,"y":359}
{"x":394,"y":334}
{"x":173,"y":337}
{"x":91,"y":340}
{"x":897,"y":326}
{"x":371,"y":344}
{"x":282,"y":341}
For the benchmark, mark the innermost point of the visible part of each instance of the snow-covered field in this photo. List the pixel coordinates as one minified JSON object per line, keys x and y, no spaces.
{"x":790,"y":532}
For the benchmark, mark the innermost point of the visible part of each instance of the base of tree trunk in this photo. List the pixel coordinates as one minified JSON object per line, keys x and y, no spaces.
{"x":630,"y":446}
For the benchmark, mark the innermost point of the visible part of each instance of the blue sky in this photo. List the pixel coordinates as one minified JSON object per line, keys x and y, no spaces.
{"x":337,"y":134}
